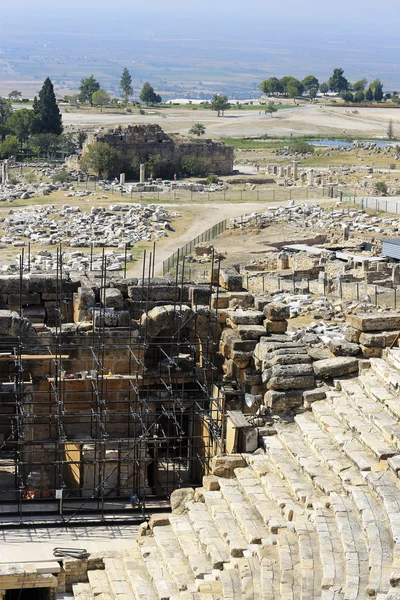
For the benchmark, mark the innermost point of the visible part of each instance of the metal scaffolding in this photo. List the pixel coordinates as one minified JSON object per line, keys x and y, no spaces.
{"x":109,"y":442}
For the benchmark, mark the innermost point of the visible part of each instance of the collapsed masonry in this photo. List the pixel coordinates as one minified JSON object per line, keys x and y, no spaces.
{"x":305,"y":502}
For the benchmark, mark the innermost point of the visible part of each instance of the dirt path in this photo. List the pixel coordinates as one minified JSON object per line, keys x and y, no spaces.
{"x":202,"y":217}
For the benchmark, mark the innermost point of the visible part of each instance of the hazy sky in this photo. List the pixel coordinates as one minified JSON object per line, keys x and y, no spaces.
{"x":347,"y":14}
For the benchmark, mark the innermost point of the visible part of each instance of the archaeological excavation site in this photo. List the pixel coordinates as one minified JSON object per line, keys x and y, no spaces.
{"x":249,"y":424}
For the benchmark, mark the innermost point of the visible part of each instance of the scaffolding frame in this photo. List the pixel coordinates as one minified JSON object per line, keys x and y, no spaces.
{"x":74,"y":446}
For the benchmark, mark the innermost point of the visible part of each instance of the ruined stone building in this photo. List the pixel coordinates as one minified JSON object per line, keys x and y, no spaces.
{"x":142,"y":141}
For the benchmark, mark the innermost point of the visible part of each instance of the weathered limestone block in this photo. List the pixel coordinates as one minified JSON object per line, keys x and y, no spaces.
{"x":219,"y":301}
{"x":264,"y":349}
{"x":343,"y":348}
{"x":179,"y":498}
{"x":230,"y":339}
{"x":277,"y":312}
{"x":260,"y":302}
{"x":291,"y":383}
{"x":165,"y":317}
{"x":160,"y":520}
{"x":231,"y":280}
{"x":375,"y":321}
{"x":378,"y":339}
{"x":244,"y":317}
{"x":114,"y":299}
{"x":352,"y":335}
{"x":26,"y":299}
{"x":310,"y":396}
{"x":275,"y":326}
{"x":225,"y":465}
{"x":335,"y":367}
{"x":370,"y":352}
{"x":211,"y":483}
{"x":290,"y":359}
{"x":250,"y":332}
{"x":199,"y":294}
{"x":86,"y":298}
{"x":283,"y":401}
{"x":241,"y":359}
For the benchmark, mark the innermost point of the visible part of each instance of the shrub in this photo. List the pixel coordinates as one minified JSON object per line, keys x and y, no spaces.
{"x":30,"y":177}
{"x":193,"y":166}
{"x":9,"y":147}
{"x":212,"y":179}
{"x":381,"y":188}
{"x":61,"y":177}
{"x":301,"y":148}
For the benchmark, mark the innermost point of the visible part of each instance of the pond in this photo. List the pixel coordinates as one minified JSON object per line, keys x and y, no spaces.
{"x":338,"y":143}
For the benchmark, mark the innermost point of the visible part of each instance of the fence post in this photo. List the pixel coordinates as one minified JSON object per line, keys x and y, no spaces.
{"x":376,"y":295}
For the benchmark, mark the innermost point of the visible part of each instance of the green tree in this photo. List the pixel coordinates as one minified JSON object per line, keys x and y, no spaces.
{"x":88,"y":86}
{"x":301,"y":148}
{"x":271,"y":108}
{"x":6,"y":111}
{"x":338,"y":83}
{"x":369,"y":95}
{"x":23,"y":123}
{"x":271,"y":86}
{"x":220,"y":104}
{"x":148,"y":95}
{"x":324,"y":88}
{"x":291,"y":86}
{"x":359,"y":86}
{"x":68,"y":144}
{"x":81,"y":138}
{"x":45,"y":144}
{"x":47,"y":108}
{"x":9,"y":147}
{"x":194,"y":166}
{"x":359,"y":96}
{"x":311,"y":85}
{"x":390,"y":130}
{"x":14,"y":96}
{"x":197,"y":129}
{"x":348,"y":97}
{"x":100,"y":98}
{"x":100,"y":158}
{"x":159,"y":166}
{"x":378,"y":92}
{"x":126,"y":85}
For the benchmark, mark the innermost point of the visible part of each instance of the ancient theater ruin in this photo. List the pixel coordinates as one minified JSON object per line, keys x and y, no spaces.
{"x":261,"y":465}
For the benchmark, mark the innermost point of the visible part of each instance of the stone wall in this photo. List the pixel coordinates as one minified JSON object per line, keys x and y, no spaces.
{"x":143,"y":141}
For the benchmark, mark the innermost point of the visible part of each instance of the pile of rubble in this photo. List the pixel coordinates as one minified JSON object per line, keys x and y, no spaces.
{"x":118,"y":226}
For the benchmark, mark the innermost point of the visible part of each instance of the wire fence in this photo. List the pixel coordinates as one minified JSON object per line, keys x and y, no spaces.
{"x":357,"y":291}
{"x":188,"y":248}
{"x":182,"y":195}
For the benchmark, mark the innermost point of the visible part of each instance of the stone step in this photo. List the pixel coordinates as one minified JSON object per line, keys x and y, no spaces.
{"x":117,"y":578}
{"x":100,"y":586}
{"x":311,"y":466}
{"x":287,"y":468}
{"x":276,"y":489}
{"x":250,"y":573}
{"x":354,"y":546}
{"x":373,"y":516}
{"x":225,"y":522}
{"x":231,"y":584}
{"x":389,"y":375}
{"x":331,"y":552}
{"x":310,"y":562}
{"x":157,"y":570}
{"x":290,"y":573}
{"x":379,"y":539}
{"x":370,"y":437}
{"x":376,"y":390}
{"x":325,"y":446}
{"x":373,"y":411}
{"x":173,"y":557}
{"x":270,"y":575}
{"x":82,"y":591}
{"x":253,"y":490}
{"x":190,"y":546}
{"x":248,"y":519}
{"x":392,"y":356}
{"x":216,"y":548}
{"x":138,"y":576}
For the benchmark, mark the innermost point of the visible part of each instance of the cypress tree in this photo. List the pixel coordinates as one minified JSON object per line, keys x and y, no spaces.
{"x":48,"y":109}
